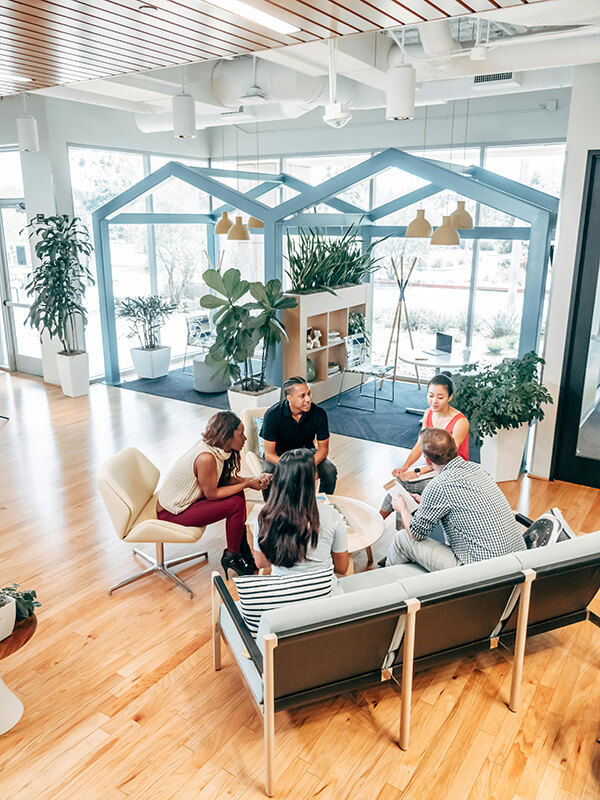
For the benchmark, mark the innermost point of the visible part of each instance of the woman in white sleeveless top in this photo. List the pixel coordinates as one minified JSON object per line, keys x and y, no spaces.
{"x":205,"y":486}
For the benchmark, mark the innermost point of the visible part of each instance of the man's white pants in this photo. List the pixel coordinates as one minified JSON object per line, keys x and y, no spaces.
{"x":428,"y":552}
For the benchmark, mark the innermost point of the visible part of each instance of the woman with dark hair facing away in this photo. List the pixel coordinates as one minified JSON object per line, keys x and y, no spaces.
{"x":204,"y":486}
{"x":439,"y":415}
{"x":294,"y":532}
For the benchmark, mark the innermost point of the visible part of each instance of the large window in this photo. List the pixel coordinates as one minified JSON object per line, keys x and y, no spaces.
{"x":11,"y":177}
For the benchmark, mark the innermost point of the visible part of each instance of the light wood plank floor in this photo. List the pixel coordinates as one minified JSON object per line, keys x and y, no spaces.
{"x":120,"y":697}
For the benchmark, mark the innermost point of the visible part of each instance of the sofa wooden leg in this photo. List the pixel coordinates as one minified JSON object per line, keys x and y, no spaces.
{"x":216,"y":606}
{"x":520,"y":641}
{"x":270,"y":643}
{"x":408,"y":654}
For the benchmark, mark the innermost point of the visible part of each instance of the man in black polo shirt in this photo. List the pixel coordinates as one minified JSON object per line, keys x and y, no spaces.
{"x":296,"y":422}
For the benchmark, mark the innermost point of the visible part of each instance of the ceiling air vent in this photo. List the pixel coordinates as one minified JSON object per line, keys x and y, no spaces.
{"x":502,"y":80}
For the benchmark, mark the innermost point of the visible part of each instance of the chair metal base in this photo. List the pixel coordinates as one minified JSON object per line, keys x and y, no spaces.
{"x":160,"y":566}
{"x":372,"y":397}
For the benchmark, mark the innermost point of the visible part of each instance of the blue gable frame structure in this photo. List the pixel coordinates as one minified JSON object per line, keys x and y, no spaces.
{"x":536,"y":208}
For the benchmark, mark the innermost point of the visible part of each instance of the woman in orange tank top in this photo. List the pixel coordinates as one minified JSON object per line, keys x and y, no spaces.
{"x":439,"y":415}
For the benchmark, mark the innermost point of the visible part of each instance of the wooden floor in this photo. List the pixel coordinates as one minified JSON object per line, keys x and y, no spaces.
{"x":121,"y":700}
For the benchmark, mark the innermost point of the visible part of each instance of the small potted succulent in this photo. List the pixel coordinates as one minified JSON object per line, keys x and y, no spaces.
{"x":146,"y":315}
{"x":15,"y":605}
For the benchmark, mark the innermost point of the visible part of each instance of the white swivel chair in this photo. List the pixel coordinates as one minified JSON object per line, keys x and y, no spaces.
{"x":127,"y":484}
{"x":251,"y":451}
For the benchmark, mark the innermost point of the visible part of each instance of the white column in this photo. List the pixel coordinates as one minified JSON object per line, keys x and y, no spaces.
{"x":583,"y":135}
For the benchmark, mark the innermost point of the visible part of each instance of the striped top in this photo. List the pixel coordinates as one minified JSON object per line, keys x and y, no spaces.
{"x":181,"y":488}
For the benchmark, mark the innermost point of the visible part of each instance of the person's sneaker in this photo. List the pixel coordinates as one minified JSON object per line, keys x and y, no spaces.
{"x":382,"y":562}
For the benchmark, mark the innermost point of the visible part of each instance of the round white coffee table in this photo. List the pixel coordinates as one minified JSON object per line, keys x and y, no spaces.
{"x":365,"y":524}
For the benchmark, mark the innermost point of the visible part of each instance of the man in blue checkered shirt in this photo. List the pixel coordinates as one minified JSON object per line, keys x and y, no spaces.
{"x":462,"y":497}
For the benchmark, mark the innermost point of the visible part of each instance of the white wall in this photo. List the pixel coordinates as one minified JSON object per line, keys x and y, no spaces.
{"x":583,"y":135}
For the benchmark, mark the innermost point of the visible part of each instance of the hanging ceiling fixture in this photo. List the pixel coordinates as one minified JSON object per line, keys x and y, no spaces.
{"x":336,"y":114}
{"x":479,"y":50}
{"x":400,"y":88}
{"x":254,"y":95}
{"x":27,"y":131}
{"x":184,"y":113}
{"x":238,"y":231}
{"x":224,"y":224}
{"x":461,"y":217}
{"x":420,"y":227}
{"x":446,"y":234}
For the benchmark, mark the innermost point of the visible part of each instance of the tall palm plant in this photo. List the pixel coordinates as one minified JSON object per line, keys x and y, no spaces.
{"x":57,"y":283}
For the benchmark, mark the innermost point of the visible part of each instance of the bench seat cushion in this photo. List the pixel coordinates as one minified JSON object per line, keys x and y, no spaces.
{"x":379,"y":577}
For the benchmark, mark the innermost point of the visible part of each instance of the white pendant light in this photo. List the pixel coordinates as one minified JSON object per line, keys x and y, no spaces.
{"x":400,"y":87}
{"x":400,"y":92}
{"x":27,"y":131}
{"x":461,"y":219}
{"x":336,"y":114}
{"x":446,"y":234}
{"x":224,"y":224}
{"x":184,"y":116}
{"x":420,"y":227}
{"x":238,"y":231}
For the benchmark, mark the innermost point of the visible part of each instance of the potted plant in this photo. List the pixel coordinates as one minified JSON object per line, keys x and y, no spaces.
{"x":146,"y":315}
{"x":500,"y":403}
{"x":318,"y":263}
{"x":15,"y":605}
{"x":239,"y":332}
{"x":57,"y":285}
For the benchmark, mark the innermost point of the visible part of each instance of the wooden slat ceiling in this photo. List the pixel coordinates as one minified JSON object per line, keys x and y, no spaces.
{"x":58,"y":42}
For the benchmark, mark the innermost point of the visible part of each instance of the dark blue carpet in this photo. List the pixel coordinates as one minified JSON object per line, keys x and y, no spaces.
{"x":390,"y":424}
{"x":177,"y":386}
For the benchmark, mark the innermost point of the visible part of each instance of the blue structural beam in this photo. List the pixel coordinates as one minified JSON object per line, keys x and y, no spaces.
{"x":256,"y":191}
{"x":505,"y":233}
{"x":541,"y":199}
{"x":536,"y":273}
{"x":232,"y":173}
{"x":156,"y":218}
{"x":404,"y":201}
{"x":106,"y":300}
{"x":337,"y":203}
{"x":309,"y":220}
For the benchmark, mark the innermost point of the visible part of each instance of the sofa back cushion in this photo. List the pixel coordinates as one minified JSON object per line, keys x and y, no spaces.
{"x":462,"y":605}
{"x":339,"y":638}
{"x":568,"y":578}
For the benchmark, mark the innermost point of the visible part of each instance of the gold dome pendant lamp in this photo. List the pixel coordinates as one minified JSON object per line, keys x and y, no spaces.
{"x":238,"y":232}
{"x":253,"y":222}
{"x":446,"y":234}
{"x":420,"y":227}
{"x":224,"y":224}
{"x":461,"y":219}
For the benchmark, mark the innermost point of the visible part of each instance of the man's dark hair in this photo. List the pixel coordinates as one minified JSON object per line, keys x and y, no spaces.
{"x":288,"y":385}
{"x":438,"y":445}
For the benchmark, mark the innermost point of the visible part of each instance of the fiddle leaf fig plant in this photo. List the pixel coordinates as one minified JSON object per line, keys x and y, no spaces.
{"x":502,"y":396}
{"x":58,"y":282}
{"x":238,"y":332}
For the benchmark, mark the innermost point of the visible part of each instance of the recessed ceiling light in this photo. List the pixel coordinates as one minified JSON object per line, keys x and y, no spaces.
{"x":10,"y":76}
{"x":254,"y":15}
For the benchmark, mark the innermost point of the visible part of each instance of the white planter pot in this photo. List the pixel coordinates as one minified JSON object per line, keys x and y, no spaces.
{"x":151,"y":363}
{"x":50,"y":348}
{"x":7,"y":618}
{"x":240,"y":400}
{"x":74,"y":373}
{"x":502,"y":455}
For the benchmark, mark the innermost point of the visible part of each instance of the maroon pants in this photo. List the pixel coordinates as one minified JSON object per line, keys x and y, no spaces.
{"x":203,"y":512}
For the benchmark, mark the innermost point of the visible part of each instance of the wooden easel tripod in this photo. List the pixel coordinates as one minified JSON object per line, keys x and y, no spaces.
{"x":396,"y":325}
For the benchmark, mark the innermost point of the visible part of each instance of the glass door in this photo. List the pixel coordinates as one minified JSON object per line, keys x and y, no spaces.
{"x":19,"y":343}
{"x":577,"y":442}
